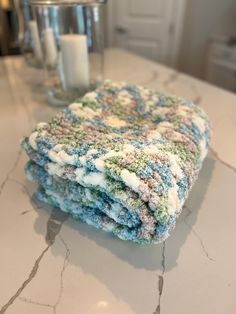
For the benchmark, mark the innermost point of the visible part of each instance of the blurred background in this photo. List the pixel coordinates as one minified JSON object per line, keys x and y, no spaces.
{"x":195,"y":37}
{"x":8,"y":28}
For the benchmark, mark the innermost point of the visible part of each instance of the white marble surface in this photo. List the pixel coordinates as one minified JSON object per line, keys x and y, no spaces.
{"x":51,"y":264}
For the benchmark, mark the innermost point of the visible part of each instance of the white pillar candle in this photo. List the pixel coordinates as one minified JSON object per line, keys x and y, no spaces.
{"x":75,"y":61}
{"x":50,"y":47}
{"x":35,"y":38}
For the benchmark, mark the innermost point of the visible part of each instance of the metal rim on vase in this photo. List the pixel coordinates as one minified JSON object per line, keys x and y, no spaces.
{"x":67,"y":2}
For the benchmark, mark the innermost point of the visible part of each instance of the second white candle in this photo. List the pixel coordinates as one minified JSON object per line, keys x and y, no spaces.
{"x":35,"y":38}
{"x":50,"y":47}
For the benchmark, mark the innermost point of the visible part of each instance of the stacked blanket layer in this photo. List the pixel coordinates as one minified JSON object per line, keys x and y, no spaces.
{"x":122,"y":158}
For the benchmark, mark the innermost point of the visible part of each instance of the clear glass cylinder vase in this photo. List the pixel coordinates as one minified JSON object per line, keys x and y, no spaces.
{"x":29,"y":36}
{"x":72,"y":40}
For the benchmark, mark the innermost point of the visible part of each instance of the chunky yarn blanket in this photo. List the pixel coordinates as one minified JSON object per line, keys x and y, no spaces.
{"x":123,"y":158}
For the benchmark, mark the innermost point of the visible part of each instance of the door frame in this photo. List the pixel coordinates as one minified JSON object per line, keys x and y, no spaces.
{"x":175,"y":28}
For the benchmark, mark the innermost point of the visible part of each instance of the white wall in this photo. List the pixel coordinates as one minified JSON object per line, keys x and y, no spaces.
{"x":203,"y":18}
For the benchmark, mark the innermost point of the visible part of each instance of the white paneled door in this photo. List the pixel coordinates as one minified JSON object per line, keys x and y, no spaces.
{"x":151,"y":28}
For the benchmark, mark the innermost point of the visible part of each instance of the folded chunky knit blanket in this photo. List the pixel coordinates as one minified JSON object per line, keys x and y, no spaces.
{"x":122,"y":158}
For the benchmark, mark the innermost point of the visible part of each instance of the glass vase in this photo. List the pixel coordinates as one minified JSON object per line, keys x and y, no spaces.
{"x":29,"y":36}
{"x":72,"y":41}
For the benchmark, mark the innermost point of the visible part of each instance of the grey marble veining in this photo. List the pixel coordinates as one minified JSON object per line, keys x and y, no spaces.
{"x":52,"y":264}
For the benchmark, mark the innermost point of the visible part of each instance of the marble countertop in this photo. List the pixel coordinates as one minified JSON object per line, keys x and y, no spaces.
{"x":52,"y":264}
